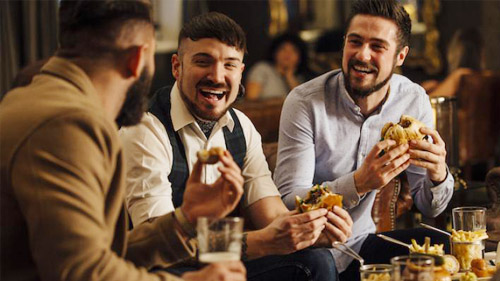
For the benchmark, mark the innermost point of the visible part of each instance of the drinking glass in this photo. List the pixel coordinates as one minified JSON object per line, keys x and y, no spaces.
{"x":469,"y":218}
{"x":376,"y":272}
{"x":219,"y":239}
{"x":413,"y":268}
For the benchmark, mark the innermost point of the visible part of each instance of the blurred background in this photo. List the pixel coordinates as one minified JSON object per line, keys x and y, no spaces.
{"x":466,"y":112}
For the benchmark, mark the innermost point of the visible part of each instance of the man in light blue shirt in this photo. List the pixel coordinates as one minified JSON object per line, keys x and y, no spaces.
{"x":330,"y":133}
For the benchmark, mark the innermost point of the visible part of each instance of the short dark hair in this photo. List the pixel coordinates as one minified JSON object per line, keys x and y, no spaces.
{"x":295,"y":40}
{"x":215,"y":25}
{"x":91,"y":27}
{"x":389,"y":9}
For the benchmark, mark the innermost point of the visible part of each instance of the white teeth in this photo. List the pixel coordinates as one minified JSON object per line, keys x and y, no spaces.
{"x":213,"y":91}
{"x":360,"y":68}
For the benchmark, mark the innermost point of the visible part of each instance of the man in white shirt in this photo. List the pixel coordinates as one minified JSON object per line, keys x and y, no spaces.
{"x":195,"y":114}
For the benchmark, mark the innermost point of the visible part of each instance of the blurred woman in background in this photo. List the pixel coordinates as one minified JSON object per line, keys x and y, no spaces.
{"x":285,"y":68}
{"x":465,"y":55}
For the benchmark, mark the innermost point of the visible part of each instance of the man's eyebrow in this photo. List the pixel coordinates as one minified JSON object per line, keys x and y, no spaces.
{"x":385,"y":42}
{"x":205,"y":55}
{"x":208,"y":56}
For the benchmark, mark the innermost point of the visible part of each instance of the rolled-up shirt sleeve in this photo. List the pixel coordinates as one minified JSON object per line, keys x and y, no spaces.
{"x":148,"y":163}
{"x":256,"y":174}
{"x":431,"y":200}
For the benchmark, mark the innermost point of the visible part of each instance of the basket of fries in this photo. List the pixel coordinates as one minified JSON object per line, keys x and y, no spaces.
{"x":467,"y":245}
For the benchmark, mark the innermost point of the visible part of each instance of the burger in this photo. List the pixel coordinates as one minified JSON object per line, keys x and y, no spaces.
{"x":210,"y":156}
{"x":407,"y":129}
{"x":318,"y":197}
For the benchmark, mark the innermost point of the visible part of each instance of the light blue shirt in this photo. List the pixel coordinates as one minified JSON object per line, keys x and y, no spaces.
{"x":324,"y":138}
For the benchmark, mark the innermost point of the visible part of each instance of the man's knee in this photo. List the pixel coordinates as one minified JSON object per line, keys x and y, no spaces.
{"x":318,"y":263}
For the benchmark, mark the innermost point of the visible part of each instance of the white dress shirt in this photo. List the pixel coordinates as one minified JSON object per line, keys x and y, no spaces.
{"x":324,"y":138}
{"x":149,"y":157}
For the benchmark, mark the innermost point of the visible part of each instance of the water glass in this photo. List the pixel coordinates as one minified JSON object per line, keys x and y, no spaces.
{"x":219,"y":239}
{"x":469,"y":218}
{"x":411,"y":268}
{"x":376,"y":272}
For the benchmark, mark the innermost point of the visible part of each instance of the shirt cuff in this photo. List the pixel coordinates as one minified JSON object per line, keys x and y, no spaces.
{"x":441,"y":188}
{"x":346,"y":187}
{"x":184,"y":223}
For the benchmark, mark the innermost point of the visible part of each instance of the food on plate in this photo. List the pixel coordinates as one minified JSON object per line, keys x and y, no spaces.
{"x":210,"y":156}
{"x":466,"y":246}
{"x":468,"y":276}
{"x":451,"y":264}
{"x":377,"y":277}
{"x":426,"y":248}
{"x":481,"y":268}
{"x":318,"y":197}
{"x":407,"y":129}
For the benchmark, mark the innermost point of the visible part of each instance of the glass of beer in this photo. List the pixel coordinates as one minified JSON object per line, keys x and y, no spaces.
{"x":219,"y":239}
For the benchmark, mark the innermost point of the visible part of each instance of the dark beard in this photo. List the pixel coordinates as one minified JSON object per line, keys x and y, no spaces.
{"x":357,"y":93}
{"x":192,"y":105}
{"x":136,"y":101}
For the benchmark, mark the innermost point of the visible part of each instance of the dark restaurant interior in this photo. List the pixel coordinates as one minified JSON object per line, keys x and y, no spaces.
{"x":464,"y":92}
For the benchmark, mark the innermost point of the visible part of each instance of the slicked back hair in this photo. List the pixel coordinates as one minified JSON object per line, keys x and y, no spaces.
{"x":214,"y":25}
{"x":91,"y":27}
{"x":389,"y":9}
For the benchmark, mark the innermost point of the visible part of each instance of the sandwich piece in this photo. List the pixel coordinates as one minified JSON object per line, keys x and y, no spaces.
{"x":210,"y":156}
{"x":318,"y":197}
{"x":407,"y":129}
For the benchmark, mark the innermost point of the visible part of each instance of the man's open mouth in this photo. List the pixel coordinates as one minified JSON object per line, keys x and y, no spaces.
{"x":213,"y":94}
{"x":363,"y":69}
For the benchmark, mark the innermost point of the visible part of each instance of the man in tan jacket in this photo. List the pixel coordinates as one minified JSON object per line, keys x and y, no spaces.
{"x":61,"y":161}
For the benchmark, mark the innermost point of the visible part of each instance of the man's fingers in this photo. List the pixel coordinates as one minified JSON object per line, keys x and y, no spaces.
{"x":343,"y":214}
{"x":337,"y":234}
{"x":393,"y":154}
{"x":373,"y":154}
{"x":308,"y":239}
{"x":196,"y":173}
{"x":231,"y":171}
{"x":339,"y":223}
{"x":434,"y":134}
{"x":395,"y":163}
{"x":392,"y":174}
{"x":312,"y":226}
{"x":423,"y":156}
{"x":309,"y":216}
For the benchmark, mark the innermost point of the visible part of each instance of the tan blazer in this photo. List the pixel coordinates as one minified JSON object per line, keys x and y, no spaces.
{"x":62,"y":194}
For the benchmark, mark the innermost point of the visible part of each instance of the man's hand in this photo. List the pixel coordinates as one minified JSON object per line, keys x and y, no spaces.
{"x":377,"y":171}
{"x":291,"y":232}
{"x":215,"y":200}
{"x":338,"y":228}
{"x":231,"y":270}
{"x":431,"y":156}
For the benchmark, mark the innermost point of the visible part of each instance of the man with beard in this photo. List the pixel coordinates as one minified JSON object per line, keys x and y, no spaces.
{"x":196,"y":114}
{"x":61,"y":161}
{"x":330,"y":134}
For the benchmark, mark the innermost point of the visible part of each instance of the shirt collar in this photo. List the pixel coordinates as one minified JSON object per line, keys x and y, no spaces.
{"x":181,"y":116}
{"x":72,"y":73}
{"x":351,"y":104}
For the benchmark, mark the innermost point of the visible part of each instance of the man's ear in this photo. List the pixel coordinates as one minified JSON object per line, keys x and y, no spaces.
{"x":400,"y":58}
{"x":136,"y":60}
{"x":176,"y":65}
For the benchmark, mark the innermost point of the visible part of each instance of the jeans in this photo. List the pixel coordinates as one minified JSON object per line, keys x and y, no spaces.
{"x":309,"y":264}
{"x":376,"y":250}
{"x":305,"y":265}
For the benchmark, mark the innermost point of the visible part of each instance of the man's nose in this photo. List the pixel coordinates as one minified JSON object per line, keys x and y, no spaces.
{"x":364,"y":53}
{"x":217,"y":73}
